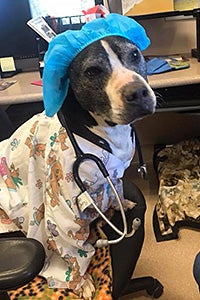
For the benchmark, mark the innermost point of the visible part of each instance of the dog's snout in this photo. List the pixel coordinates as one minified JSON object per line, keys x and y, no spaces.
{"x":133,"y":94}
{"x":138,"y":99}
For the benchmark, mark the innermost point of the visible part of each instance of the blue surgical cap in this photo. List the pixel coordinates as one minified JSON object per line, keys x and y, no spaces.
{"x":65,"y":46}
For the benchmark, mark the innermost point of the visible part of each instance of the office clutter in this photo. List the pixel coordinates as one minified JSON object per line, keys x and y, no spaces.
{"x":156,"y":65}
{"x":4,"y":84}
{"x":42,"y":28}
{"x":48,"y":27}
{"x":178,"y":170}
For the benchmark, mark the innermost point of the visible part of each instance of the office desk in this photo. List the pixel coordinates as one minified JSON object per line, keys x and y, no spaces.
{"x":22,"y":91}
{"x":180,"y":89}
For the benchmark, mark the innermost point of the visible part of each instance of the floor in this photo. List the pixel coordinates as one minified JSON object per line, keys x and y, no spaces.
{"x":169,"y":261}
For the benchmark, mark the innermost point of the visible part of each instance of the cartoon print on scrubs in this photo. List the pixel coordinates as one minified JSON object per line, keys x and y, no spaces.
{"x":4,"y":217}
{"x":95,"y":194}
{"x":38,"y":215}
{"x":73,"y":272}
{"x":83,"y":232}
{"x":56,"y":174}
{"x":69,"y":177}
{"x":38,"y":183}
{"x":118,"y":186}
{"x":52,"y":245}
{"x":46,"y":196}
{"x":14,"y":144}
{"x":32,"y":143}
{"x":18,"y":222}
{"x":52,"y":228}
{"x":50,"y":282}
{"x":62,"y":135}
{"x":61,"y":138}
{"x":10,"y":175}
{"x":104,"y":157}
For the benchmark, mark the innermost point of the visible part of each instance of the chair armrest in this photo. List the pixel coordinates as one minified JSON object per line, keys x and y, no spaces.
{"x":21,"y":259}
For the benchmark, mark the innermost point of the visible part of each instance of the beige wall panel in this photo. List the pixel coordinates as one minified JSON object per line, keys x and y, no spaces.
{"x":151,"y":6}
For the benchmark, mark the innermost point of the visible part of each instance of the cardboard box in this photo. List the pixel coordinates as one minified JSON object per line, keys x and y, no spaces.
{"x":151,"y":7}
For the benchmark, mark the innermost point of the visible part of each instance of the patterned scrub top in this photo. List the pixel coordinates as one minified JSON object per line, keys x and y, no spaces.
{"x":39,"y":196}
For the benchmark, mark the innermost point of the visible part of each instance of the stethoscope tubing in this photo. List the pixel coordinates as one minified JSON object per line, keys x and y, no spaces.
{"x":79,"y":160}
{"x":81,"y":157}
{"x":76,"y":165}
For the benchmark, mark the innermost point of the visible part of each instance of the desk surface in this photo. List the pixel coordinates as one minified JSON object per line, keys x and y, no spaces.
{"x":23,"y":91}
{"x":187,"y":76}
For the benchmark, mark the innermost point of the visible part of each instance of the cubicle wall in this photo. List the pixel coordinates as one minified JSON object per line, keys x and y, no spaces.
{"x":153,"y":6}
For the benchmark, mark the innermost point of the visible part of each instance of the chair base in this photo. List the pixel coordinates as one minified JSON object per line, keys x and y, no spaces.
{"x":4,"y":296}
{"x":152,"y":286}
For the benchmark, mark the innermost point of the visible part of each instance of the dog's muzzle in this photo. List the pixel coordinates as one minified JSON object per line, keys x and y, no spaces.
{"x":140,"y":95}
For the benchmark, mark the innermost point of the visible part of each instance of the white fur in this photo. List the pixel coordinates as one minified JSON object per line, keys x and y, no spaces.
{"x":119,"y":77}
{"x":118,"y":137}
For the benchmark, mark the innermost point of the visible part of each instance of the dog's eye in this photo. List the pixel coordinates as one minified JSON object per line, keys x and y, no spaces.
{"x":135,"y":54}
{"x":92,"y":71}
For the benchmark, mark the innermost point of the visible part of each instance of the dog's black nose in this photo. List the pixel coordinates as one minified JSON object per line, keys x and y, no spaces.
{"x":137,"y":95}
{"x":134,"y":92}
{"x":138,"y":98}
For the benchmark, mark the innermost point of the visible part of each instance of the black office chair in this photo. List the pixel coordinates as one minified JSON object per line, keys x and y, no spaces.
{"x":21,"y":259}
{"x":6,"y":126}
{"x":196,"y":269}
{"x":125,"y":254}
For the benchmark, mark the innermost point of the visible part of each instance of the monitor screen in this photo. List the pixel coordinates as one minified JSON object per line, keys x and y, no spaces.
{"x":59,"y":8}
{"x":16,"y":38}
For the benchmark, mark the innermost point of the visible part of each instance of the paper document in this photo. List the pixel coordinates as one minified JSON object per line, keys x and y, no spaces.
{"x":7,"y":64}
{"x":42,"y":28}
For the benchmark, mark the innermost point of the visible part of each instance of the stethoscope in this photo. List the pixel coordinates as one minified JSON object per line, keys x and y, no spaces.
{"x":85,"y":199}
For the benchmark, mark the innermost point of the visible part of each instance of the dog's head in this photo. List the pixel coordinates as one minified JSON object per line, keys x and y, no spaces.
{"x":104,"y":67}
{"x":108,"y":79}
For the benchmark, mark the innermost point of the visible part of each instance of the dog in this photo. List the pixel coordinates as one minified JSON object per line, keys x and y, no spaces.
{"x":108,"y":92}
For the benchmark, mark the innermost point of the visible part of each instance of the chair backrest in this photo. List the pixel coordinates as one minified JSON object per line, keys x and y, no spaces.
{"x":6,"y":127}
{"x":196,"y":269}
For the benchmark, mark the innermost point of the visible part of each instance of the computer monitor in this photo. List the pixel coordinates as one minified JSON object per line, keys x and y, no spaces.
{"x":17,"y":39}
{"x":59,"y":8}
